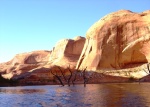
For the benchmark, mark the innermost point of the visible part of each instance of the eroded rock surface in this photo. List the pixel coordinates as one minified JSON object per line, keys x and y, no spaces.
{"x":23,"y":63}
{"x":118,"y":40}
{"x":67,"y":52}
{"x":40,"y":63}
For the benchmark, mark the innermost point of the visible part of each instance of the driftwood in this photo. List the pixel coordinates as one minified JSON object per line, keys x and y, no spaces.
{"x":59,"y":79}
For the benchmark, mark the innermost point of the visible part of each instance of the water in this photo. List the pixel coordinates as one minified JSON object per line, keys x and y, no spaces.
{"x":93,"y":95}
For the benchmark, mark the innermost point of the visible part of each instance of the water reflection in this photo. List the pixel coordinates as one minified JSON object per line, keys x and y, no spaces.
{"x":98,"y":95}
{"x":21,"y":91}
{"x":122,"y":95}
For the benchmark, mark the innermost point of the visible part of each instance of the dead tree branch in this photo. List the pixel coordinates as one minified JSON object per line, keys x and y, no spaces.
{"x":75,"y":77}
{"x":59,"y":79}
{"x":148,"y":68}
{"x":69,"y":76}
{"x":62,"y":74}
{"x":146,"y":71}
{"x":85,"y":78}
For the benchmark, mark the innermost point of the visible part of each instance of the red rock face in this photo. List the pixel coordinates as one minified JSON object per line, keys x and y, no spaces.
{"x":31,"y":57}
{"x":40,"y":63}
{"x":118,"y":40}
{"x":67,"y":52}
{"x":23,"y":63}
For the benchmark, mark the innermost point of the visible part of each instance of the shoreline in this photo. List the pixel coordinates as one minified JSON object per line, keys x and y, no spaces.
{"x":75,"y":84}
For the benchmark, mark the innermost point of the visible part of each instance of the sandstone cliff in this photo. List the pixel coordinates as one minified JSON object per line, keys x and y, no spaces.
{"x":117,"y":44}
{"x":118,"y":40}
{"x":39,"y":63}
{"x":67,"y":52}
{"x":23,"y":63}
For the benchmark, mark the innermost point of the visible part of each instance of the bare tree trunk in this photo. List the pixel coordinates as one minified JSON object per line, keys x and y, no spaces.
{"x":62,"y":74}
{"x":75,"y":77}
{"x":148,"y":68}
{"x":69,"y":76}
{"x":73,"y":81}
{"x":59,"y":79}
{"x":84,"y":77}
{"x":146,"y":71}
{"x":139,"y":81}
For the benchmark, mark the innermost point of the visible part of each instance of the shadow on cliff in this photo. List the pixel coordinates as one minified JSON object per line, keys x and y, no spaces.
{"x":7,"y":82}
{"x":145,"y":79}
{"x":61,"y":76}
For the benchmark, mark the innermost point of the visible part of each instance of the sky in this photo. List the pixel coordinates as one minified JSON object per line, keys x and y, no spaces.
{"x":29,"y":25}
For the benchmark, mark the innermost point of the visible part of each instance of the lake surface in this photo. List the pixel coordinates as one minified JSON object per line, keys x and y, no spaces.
{"x":93,"y":95}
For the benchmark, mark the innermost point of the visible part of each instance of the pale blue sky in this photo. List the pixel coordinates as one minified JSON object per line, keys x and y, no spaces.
{"x":28,"y":25}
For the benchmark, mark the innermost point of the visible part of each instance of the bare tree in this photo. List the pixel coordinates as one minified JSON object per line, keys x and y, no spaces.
{"x":69,"y":76}
{"x":148,"y":68}
{"x":59,"y":79}
{"x":83,"y":74}
{"x":75,"y":77}
{"x":146,"y":71}
{"x":84,"y":77}
{"x":62,"y":74}
{"x":67,"y":80}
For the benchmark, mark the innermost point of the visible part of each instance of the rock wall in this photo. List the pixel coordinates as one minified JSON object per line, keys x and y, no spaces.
{"x":67,"y":52}
{"x":23,"y":63}
{"x":31,"y":57}
{"x":118,"y":40}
